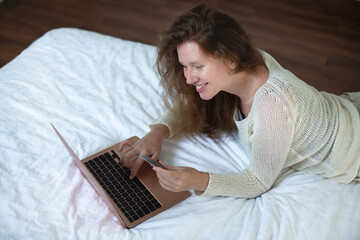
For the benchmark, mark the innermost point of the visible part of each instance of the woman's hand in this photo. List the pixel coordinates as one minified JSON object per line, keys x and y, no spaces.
{"x":149,"y":145}
{"x":178,"y":179}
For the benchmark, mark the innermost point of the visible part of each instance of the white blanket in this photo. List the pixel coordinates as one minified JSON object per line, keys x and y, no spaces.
{"x":99,"y":90}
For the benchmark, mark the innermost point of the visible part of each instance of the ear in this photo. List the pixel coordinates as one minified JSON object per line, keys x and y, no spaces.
{"x":231,"y":65}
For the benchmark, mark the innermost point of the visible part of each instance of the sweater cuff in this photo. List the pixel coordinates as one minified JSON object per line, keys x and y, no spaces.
{"x":243,"y":184}
{"x":168,"y":120}
{"x":206,"y":192}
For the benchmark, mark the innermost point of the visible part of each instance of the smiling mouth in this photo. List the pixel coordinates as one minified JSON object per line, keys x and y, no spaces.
{"x":199,"y":87}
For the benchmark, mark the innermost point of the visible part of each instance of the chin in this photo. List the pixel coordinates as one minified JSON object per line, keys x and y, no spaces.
{"x":206,"y":97}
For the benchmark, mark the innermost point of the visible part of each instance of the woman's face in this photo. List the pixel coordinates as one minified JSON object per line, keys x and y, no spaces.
{"x":207,"y":74}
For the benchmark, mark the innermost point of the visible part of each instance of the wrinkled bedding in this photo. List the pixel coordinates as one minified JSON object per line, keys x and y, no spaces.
{"x":99,"y":90}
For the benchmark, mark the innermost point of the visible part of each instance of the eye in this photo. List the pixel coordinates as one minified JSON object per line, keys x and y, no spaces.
{"x":198,"y":66}
{"x":183,"y":66}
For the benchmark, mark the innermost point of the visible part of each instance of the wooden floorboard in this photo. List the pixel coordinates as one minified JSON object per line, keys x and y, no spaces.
{"x":318,"y":40}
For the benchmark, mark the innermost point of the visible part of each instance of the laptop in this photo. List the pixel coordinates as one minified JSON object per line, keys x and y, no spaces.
{"x":132,"y":200}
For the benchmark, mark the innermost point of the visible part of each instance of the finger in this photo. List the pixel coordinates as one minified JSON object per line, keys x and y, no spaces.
{"x":161,"y":172}
{"x":169,"y":185}
{"x":155,"y":156}
{"x":165,"y":186}
{"x":137,"y":164}
{"x":174,"y":178}
{"x":166,"y":175}
{"x":169,"y":167}
{"x":130,"y":162}
{"x":134,"y":139}
{"x":123,"y":153}
{"x":164,"y":181}
{"x":127,"y":142}
{"x":130,"y":141}
{"x":131,"y":152}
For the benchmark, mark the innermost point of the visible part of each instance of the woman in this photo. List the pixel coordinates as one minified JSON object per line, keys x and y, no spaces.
{"x":219,"y":83}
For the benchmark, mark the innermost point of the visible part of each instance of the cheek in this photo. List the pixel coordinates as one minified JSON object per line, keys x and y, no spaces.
{"x":205,"y":74}
{"x":185,"y":73}
{"x":220,"y":74}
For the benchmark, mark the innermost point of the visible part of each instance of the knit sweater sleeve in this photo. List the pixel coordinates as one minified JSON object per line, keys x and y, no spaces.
{"x":168,"y":119}
{"x":269,"y":135}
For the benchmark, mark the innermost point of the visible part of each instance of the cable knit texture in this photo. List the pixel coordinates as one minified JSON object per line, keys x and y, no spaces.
{"x":290,"y":124}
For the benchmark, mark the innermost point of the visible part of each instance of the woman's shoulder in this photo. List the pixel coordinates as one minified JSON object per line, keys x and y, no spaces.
{"x":275,"y":96}
{"x":281,"y":82}
{"x":277,"y":87}
{"x":270,"y":61}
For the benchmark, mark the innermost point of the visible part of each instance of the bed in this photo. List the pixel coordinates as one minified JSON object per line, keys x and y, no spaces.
{"x":99,"y":90}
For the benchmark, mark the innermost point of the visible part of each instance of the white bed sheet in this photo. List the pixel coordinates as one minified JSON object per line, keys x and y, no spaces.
{"x":98,"y":90}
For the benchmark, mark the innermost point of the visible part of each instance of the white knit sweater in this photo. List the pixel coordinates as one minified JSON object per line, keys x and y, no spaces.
{"x":290,"y":124}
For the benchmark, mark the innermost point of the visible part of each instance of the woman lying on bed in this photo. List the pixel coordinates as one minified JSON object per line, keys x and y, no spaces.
{"x":219,"y":83}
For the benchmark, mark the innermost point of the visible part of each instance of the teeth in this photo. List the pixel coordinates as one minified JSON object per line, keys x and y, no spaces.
{"x":200,"y":86}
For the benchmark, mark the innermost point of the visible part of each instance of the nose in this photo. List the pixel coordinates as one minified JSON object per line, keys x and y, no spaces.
{"x":190,"y":77}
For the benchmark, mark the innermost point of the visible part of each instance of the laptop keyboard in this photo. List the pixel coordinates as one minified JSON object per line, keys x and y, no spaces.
{"x":130,"y":195}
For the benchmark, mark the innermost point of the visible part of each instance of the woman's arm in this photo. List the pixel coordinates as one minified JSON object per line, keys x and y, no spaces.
{"x":270,"y":135}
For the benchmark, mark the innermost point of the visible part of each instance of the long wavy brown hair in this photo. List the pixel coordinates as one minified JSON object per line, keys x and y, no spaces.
{"x":220,"y":36}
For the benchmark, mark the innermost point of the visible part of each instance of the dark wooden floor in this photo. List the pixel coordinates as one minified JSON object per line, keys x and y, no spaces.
{"x":318,"y":40}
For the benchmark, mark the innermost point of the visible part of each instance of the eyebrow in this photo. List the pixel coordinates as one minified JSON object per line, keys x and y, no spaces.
{"x":191,"y":63}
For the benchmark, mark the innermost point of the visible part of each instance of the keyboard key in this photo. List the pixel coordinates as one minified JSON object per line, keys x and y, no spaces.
{"x":135,"y":217}
{"x":108,"y":157}
{"x":140,"y":213}
{"x":145,"y":209}
{"x":150,"y":206}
